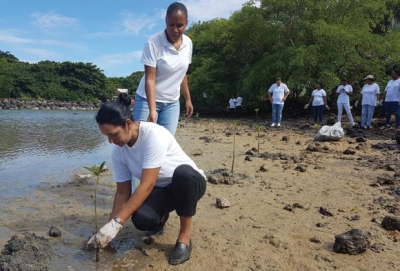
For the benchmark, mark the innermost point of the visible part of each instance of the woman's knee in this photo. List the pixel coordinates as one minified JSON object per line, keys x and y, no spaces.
{"x":143,"y":220}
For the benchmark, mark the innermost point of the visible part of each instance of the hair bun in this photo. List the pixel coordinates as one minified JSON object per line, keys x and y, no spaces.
{"x":124,"y":99}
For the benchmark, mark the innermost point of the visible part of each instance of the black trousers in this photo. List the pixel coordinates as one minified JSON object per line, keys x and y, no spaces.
{"x":182,"y":194}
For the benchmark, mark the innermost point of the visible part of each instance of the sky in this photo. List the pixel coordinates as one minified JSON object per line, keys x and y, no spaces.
{"x":109,"y":34}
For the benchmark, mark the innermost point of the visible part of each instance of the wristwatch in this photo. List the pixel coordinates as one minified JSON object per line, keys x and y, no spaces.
{"x":118,"y":220}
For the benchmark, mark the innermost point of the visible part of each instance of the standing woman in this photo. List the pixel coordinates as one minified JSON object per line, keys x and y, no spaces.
{"x":277,"y":95}
{"x":343,"y":92}
{"x":391,"y":97}
{"x":318,"y":102}
{"x":169,"y":179}
{"x":166,"y":58}
{"x":369,"y":99}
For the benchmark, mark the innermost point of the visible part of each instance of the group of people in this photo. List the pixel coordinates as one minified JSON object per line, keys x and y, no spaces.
{"x":146,"y":149}
{"x":145,"y":146}
{"x":369,"y":98}
{"x":235,"y":106}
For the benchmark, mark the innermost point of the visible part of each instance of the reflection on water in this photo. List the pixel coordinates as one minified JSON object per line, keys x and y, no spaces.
{"x":37,"y":146}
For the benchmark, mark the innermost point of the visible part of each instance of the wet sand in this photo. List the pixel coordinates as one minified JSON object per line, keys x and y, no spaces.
{"x":258,"y":231}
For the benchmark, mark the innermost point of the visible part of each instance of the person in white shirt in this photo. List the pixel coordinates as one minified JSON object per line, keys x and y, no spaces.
{"x":318,"y":102}
{"x":343,"y":92}
{"x":239,"y":102}
{"x":391,"y":97}
{"x":277,"y":95}
{"x":166,"y":58}
{"x":369,"y":99}
{"x":169,"y":179}
{"x":232,"y":106}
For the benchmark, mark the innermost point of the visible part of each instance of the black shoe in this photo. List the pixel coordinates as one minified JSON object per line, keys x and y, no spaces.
{"x":181,"y":253}
{"x":159,"y":230}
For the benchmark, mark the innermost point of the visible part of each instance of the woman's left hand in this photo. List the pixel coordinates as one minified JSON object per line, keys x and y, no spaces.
{"x":189,"y":109}
{"x":105,"y":234}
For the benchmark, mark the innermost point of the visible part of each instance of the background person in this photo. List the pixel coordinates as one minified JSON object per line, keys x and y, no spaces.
{"x":232,"y":106}
{"x":169,"y":179}
{"x":277,"y":95}
{"x":343,"y":92}
{"x":318,"y":102}
{"x":391,"y":97}
{"x":166,"y":58}
{"x":239,"y":102}
{"x":369,"y":99}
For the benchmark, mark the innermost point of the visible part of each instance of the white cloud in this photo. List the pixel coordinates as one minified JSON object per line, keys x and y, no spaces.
{"x":112,"y":60}
{"x":133,"y":24}
{"x":38,"y":54}
{"x":6,"y":36}
{"x":52,"y":20}
{"x":204,"y":10}
{"x":63,"y":44}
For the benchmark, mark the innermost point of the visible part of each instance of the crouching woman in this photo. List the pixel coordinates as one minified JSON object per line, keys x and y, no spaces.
{"x":169,"y":179}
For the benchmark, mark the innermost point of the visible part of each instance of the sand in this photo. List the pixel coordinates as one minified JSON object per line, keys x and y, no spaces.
{"x":274,"y":220}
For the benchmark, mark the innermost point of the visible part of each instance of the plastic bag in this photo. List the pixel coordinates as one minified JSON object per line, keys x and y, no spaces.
{"x":330,"y":133}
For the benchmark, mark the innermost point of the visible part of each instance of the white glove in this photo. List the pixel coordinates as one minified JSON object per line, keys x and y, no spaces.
{"x":105,"y":234}
{"x":306,"y":106}
{"x":381,"y":102}
{"x":327,"y":107}
{"x":377,"y":103}
{"x":356,"y":103}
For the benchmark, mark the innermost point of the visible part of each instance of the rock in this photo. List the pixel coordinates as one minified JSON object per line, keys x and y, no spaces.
{"x":325,"y":148}
{"x":398,"y":137}
{"x":391,"y":223}
{"x":361,"y":139}
{"x":149,"y":240}
{"x":330,"y":121}
{"x":325,"y":211}
{"x":263,"y":168}
{"x":291,"y":207}
{"x":250,"y":152}
{"x":352,"y":242}
{"x":301,"y":168}
{"x":349,"y":152}
{"x":314,"y":147}
{"x":320,"y":225}
{"x":285,"y":138}
{"x":315,"y":240}
{"x":298,"y":143}
{"x":54,"y":231}
{"x":391,"y":167}
{"x":248,"y":158}
{"x":385,"y":179}
{"x":222,"y":203}
{"x":378,"y":247}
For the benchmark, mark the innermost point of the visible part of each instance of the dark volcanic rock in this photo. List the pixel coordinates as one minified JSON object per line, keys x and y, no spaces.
{"x":398,"y":137}
{"x":325,"y":211}
{"x":391,"y":223}
{"x":54,"y":231}
{"x":352,"y":242}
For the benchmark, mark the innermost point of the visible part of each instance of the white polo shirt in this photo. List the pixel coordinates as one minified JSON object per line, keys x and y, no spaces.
{"x":318,"y":97}
{"x":369,"y":93}
{"x":171,"y":65}
{"x":278,"y":92}
{"x":239,"y":101}
{"x":155,"y":147}
{"x":393,"y":91}
{"x":343,"y":97}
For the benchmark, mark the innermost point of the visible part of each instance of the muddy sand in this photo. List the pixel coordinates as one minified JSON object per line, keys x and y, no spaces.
{"x":286,"y":205}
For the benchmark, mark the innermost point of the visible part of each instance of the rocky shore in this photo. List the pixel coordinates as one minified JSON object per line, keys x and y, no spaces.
{"x":16,"y":104}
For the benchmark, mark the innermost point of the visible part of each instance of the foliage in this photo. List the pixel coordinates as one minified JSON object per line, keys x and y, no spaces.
{"x":66,"y":81}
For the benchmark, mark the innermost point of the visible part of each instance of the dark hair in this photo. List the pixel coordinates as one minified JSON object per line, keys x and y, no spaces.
{"x":320,"y":84}
{"x":344,"y":80}
{"x":177,"y":6}
{"x":115,"y":112}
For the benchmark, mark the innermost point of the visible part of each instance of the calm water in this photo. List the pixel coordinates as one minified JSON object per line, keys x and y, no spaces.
{"x":40,"y":146}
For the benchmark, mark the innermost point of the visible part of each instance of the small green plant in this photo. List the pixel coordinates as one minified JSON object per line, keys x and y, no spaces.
{"x":96,"y":170}
{"x":257,"y":109}
{"x":235,"y":125}
{"x":258,"y":129}
{"x":197,"y":115}
{"x":213,"y":126}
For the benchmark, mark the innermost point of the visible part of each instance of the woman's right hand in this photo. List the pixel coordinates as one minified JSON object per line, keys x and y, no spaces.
{"x":152,"y":116}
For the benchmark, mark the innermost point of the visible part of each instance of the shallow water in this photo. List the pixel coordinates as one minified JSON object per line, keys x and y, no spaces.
{"x":38,"y":146}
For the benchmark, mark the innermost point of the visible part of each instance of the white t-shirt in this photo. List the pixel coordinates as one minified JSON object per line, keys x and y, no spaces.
{"x":278,"y":92}
{"x":232,"y":103}
{"x":171,"y":65}
{"x":239,"y":101}
{"x":155,"y":147}
{"x":369,"y":93}
{"x":343,"y":97}
{"x":393,"y":91}
{"x":318,"y":97}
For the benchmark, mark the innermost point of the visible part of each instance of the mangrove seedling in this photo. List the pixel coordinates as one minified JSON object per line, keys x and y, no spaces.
{"x":235,"y":125}
{"x":96,"y":170}
{"x":258,"y":129}
{"x":257,"y":109}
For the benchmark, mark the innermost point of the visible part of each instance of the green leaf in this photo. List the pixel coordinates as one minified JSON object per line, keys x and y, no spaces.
{"x":90,"y":169}
{"x":101,"y":166}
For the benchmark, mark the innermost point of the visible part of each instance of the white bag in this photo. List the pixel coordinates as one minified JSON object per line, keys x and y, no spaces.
{"x":330,"y":133}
